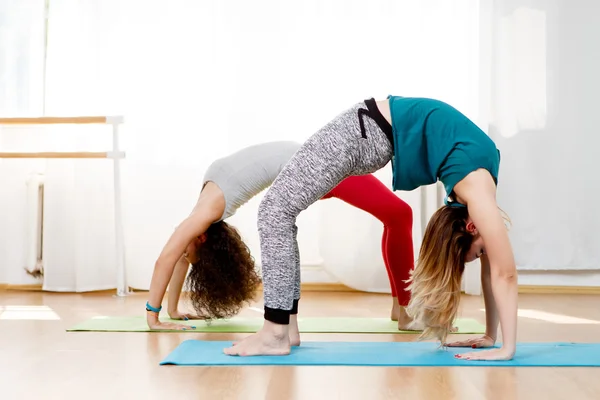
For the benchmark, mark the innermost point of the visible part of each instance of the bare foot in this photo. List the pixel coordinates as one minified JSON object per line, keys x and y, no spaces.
{"x":395,"y":309}
{"x":294,"y":331}
{"x":271,"y":340}
{"x":406,"y":323}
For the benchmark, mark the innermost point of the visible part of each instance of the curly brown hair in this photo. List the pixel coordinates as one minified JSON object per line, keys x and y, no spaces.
{"x":224,"y":277}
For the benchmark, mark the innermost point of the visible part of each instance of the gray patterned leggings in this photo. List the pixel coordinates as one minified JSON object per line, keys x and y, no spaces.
{"x":354,"y":143}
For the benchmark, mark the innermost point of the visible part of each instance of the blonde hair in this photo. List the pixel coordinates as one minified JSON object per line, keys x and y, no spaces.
{"x":436,"y":279}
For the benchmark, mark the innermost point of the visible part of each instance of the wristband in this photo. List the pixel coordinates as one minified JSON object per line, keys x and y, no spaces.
{"x":150,"y":308}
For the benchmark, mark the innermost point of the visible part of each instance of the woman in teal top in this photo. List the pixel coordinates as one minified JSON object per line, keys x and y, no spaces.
{"x":435,"y":141}
{"x":427,"y":140}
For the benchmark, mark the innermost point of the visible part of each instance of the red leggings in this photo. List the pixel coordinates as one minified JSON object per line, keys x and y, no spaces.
{"x":369,"y":194}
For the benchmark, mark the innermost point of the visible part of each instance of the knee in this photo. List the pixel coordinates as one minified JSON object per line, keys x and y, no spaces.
{"x":266,"y":211}
{"x":400,"y":214}
{"x":272,"y":212}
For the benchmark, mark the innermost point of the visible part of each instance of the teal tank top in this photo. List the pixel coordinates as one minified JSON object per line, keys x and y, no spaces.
{"x":434,"y":141}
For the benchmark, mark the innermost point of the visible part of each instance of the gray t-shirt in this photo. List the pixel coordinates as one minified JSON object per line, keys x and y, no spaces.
{"x":245,"y":173}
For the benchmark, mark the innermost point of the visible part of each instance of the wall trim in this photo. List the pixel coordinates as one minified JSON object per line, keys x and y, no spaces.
{"x":340,"y":287}
{"x":34,"y":287}
{"x":533,"y":289}
{"x":559,"y":289}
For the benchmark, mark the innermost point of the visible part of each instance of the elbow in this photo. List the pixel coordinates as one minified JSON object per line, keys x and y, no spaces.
{"x":160,"y":263}
{"x":508,"y":275}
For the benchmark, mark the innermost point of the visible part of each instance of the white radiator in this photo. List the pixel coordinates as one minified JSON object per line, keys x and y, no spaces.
{"x":35,"y":225}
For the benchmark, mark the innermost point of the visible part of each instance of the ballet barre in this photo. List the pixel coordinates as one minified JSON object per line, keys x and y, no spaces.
{"x":115,"y":154}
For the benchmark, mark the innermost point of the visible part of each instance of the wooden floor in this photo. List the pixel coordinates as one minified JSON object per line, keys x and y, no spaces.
{"x":39,"y":360}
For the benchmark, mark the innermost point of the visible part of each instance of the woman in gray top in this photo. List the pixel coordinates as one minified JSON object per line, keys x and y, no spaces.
{"x":223,"y":276}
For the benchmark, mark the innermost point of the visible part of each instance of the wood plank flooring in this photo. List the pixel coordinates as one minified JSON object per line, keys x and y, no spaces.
{"x":40,"y":360}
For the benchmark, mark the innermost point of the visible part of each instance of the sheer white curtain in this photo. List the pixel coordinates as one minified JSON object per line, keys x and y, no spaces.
{"x":427,"y":48}
{"x":543,"y":90}
{"x":198,"y":80}
{"x":21,"y":94}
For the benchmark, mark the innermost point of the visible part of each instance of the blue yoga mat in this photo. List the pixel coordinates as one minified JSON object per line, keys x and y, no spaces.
{"x":197,"y":352}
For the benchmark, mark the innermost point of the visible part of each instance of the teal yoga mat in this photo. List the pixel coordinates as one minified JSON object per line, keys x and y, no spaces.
{"x":426,"y":354}
{"x":251,"y":325}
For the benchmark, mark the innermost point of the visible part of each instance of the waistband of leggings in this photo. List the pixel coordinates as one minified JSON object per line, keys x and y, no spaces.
{"x":379,"y":119}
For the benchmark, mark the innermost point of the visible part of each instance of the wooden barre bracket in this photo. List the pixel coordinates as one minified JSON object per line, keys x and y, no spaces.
{"x":60,"y":120}
{"x":75,"y":154}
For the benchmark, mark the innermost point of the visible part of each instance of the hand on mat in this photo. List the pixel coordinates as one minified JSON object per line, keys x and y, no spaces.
{"x":154,"y":323}
{"x":184,"y":316}
{"x":484,"y":341}
{"x":501,"y":354}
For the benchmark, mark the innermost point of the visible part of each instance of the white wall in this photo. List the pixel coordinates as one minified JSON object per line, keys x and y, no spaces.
{"x":12,"y":225}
